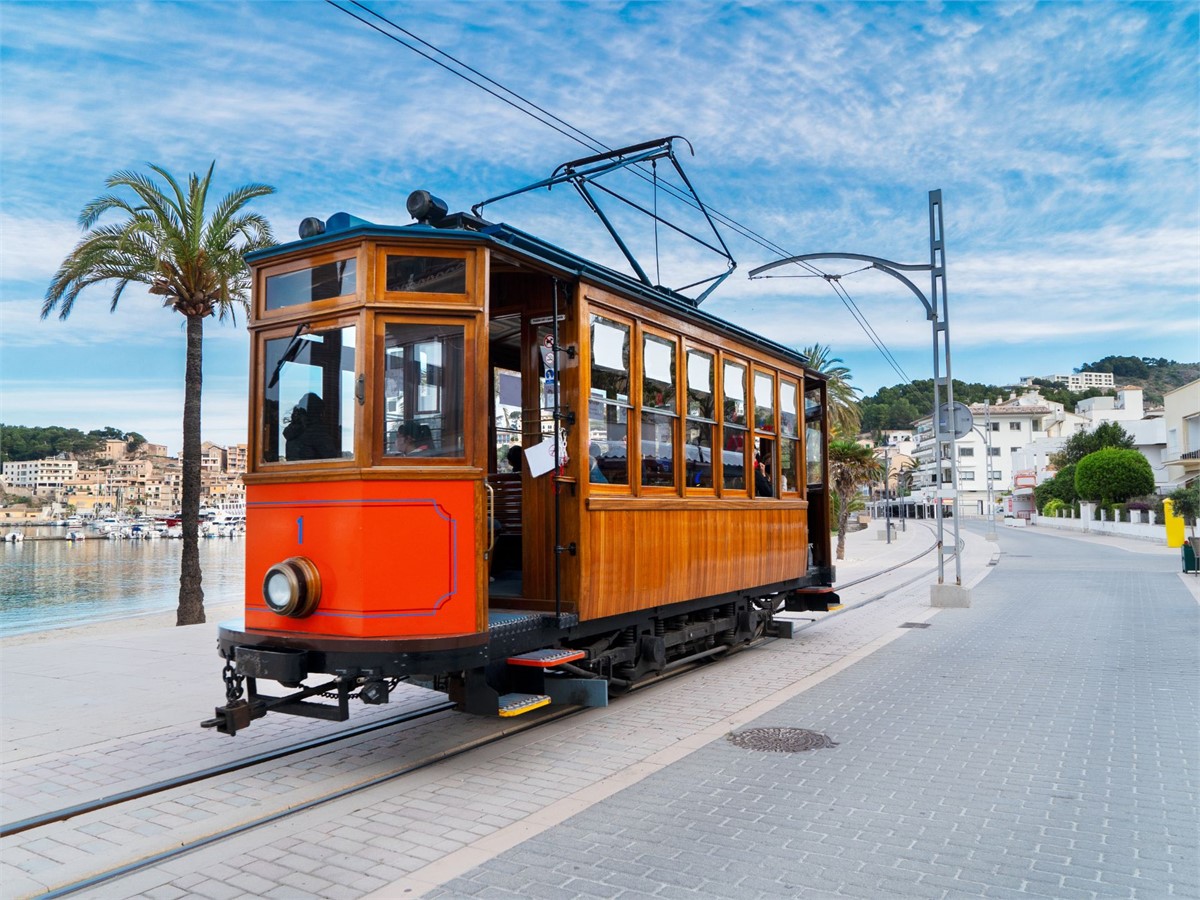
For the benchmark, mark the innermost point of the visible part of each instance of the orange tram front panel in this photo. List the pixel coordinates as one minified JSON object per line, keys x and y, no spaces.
{"x":396,"y":558}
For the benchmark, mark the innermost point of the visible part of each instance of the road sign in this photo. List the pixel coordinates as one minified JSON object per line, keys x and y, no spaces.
{"x":956,"y":419}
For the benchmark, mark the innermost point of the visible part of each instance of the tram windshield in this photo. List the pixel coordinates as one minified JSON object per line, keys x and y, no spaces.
{"x":308,"y":396}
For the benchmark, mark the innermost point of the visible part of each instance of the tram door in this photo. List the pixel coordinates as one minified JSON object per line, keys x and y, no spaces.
{"x":506,"y":459}
{"x":816,"y":467}
{"x":522,"y":570}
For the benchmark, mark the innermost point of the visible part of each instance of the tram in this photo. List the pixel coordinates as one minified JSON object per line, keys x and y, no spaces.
{"x":485,"y":464}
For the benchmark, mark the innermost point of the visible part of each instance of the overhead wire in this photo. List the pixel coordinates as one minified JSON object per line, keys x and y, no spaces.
{"x":526,"y":106}
{"x":573,"y":132}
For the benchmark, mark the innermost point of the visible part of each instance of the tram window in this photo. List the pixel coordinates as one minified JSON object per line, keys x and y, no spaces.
{"x":701,"y":420}
{"x":788,"y":438}
{"x":734,"y":463}
{"x":423,"y":390}
{"x":814,"y":440}
{"x":609,"y":404}
{"x":324,"y":282}
{"x":308,"y":396}
{"x":764,"y":438}
{"x":659,"y":414}
{"x":426,"y":274}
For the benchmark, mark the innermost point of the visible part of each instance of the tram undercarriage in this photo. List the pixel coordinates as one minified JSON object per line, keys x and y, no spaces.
{"x":526,"y":660}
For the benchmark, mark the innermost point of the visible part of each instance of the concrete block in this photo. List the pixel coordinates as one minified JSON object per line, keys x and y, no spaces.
{"x":949,"y":596}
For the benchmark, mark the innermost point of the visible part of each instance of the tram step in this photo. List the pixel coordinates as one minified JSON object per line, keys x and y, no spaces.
{"x":545,"y":659}
{"x":519,"y":704}
{"x":820,"y":599}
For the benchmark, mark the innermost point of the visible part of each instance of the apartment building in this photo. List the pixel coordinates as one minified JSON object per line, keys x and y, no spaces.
{"x":1079,"y":381}
{"x":40,"y":475}
{"x":990,"y":454}
{"x":1181,"y":425}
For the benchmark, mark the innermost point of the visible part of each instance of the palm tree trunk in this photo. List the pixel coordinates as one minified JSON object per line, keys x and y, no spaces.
{"x":191,"y":592}
{"x":843,"y":521}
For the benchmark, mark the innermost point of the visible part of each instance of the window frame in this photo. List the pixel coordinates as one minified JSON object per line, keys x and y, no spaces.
{"x":715,"y":423}
{"x":470,"y":375}
{"x":315,"y":308}
{"x":426,"y":298}
{"x":747,"y":431}
{"x":643,"y":332}
{"x":632,"y":414}
{"x":282,"y":331}
{"x":769,"y":432}
{"x":797,"y":439}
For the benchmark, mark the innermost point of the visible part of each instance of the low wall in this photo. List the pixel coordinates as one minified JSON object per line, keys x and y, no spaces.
{"x":1142,"y":531}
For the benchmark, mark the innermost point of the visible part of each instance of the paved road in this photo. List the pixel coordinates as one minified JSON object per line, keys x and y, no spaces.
{"x":1042,"y":743}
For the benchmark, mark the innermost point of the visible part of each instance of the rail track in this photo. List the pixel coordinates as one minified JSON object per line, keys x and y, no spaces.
{"x":401,"y":770}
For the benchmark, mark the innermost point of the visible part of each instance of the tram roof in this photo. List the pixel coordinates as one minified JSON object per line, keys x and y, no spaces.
{"x":342,"y":226}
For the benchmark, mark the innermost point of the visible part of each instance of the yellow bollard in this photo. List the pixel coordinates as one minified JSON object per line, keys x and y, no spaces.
{"x":1174,"y":525}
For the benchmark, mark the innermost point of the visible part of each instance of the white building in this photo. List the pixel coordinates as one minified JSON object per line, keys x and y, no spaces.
{"x":1181,"y":423}
{"x":989,"y":452}
{"x":1126,"y":406}
{"x":1079,"y":381}
{"x":39,"y":475}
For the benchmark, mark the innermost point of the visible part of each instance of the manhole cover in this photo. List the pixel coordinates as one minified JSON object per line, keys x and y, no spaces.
{"x":781,"y":740}
{"x":916,"y":624}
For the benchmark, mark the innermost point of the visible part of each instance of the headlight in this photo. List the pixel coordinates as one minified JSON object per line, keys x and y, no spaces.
{"x":292,"y":587}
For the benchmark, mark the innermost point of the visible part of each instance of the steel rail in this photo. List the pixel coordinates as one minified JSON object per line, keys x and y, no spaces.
{"x":69,"y":812}
{"x":853,"y":606}
{"x":216,"y":837}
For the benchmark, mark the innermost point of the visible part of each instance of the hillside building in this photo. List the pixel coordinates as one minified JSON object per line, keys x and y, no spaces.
{"x":1079,"y":381}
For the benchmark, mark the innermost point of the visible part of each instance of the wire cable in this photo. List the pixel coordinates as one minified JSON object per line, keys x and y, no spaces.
{"x":526,"y":106}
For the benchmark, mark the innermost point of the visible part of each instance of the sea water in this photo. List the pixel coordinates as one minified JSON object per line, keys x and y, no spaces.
{"x":56,"y":583}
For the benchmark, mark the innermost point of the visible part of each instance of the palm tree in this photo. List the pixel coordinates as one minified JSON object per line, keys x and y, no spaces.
{"x":851,"y":465}
{"x":844,"y":412}
{"x":194,"y":262}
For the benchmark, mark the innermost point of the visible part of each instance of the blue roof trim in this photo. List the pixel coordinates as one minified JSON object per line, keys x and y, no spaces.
{"x":543,"y":252}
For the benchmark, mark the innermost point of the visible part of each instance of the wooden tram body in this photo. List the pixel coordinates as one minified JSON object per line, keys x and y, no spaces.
{"x":396,"y":543}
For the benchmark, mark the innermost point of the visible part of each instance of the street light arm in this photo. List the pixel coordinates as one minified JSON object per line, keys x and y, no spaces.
{"x":883,"y":265}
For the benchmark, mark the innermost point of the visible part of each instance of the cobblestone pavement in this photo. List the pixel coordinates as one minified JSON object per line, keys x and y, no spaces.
{"x":1043,"y":743}
{"x":976,"y":747}
{"x":417,"y":832}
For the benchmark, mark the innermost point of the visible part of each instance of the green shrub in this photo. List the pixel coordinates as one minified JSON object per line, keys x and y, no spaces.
{"x":1113,"y":475}
{"x":1186,"y":502}
{"x":1054,"y":507}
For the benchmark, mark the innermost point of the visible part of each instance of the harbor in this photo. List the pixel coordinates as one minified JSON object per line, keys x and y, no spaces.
{"x":48,"y":583}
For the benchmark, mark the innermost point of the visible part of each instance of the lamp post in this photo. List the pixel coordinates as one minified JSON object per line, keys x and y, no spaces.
{"x":887,"y":493}
{"x":937,"y":311}
{"x":987,"y":433}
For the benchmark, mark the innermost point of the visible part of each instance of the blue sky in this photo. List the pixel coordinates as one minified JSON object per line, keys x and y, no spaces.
{"x":1064,"y":138}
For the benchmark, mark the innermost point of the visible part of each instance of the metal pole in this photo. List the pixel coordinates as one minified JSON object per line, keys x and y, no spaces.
{"x":987,"y":430}
{"x":937,"y":265}
{"x":887,"y":494}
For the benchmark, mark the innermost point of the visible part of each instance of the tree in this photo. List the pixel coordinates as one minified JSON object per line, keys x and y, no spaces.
{"x":844,"y":414}
{"x":1113,"y":475}
{"x":1061,"y":487}
{"x":1083,"y":443}
{"x":851,"y":465}
{"x":1185,"y":502}
{"x":167,"y":240}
